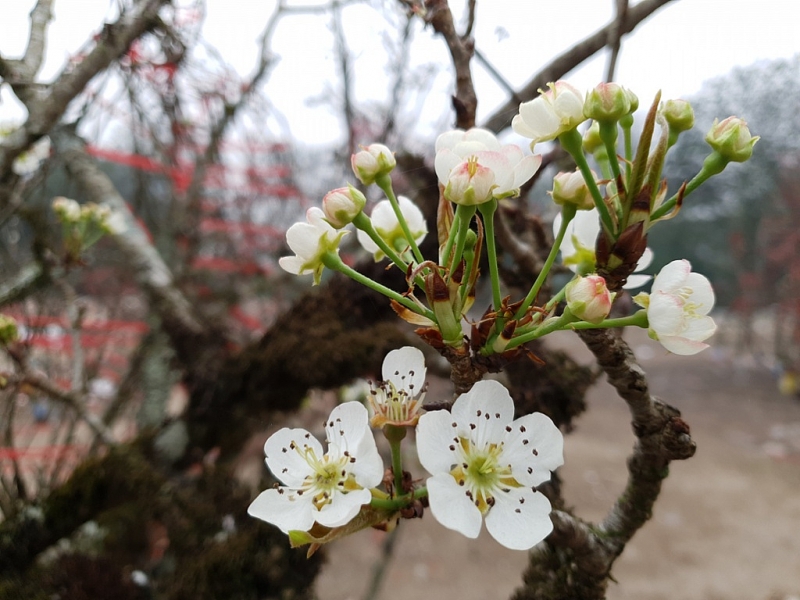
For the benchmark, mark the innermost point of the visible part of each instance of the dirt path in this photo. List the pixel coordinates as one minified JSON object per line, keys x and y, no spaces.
{"x":727,"y":525}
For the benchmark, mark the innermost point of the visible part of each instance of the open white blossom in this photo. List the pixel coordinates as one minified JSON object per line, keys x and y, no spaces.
{"x":310,"y":241}
{"x":397,"y":399}
{"x":678,"y":307}
{"x":554,"y":111}
{"x":486,"y":464}
{"x":474,"y":167}
{"x":577,"y":248}
{"x":385,"y":222}
{"x":326,"y":488}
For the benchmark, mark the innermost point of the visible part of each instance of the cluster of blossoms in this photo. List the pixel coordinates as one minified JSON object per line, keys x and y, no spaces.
{"x":484,"y":464}
{"x":476,"y":453}
{"x":83,"y":225}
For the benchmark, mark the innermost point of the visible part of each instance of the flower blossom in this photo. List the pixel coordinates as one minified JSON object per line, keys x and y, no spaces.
{"x":385,"y":222}
{"x":577,"y":248}
{"x":588,"y":298}
{"x":397,"y":399}
{"x":487,"y":465}
{"x":677,"y":308}
{"x":473,"y":167}
{"x":326,"y":488}
{"x":310,"y":241}
{"x":550,"y":114}
{"x":371,"y":162}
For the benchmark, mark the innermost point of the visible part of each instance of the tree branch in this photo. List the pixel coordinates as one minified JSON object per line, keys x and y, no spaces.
{"x":570,"y":59}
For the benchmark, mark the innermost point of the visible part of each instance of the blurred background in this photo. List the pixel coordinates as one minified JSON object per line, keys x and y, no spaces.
{"x":221,"y":128}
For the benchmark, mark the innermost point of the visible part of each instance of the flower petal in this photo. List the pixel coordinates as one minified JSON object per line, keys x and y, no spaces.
{"x":342,"y":508}
{"x":489,"y":407}
{"x":451,"y":507}
{"x":365,"y":241}
{"x":665,"y":314}
{"x":303,"y":239}
{"x":435,"y":433}
{"x":681,"y":345}
{"x":644,"y":260}
{"x":520,"y":519}
{"x":347,"y":425}
{"x":405,"y":368}
{"x":444,"y":162}
{"x":636,"y":281}
{"x":533,"y":448}
{"x":285,"y":457}
{"x":285,"y":513}
{"x":526,"y":168}
{"x":702,"y":293}
{"x":292,"y":264}
{"x":449,"y":139}
{"x":484,"y":137}
{"x":672,"y":277}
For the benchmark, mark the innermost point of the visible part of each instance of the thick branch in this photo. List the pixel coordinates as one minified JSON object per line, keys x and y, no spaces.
{"x":570,"y":59}
{"x":45,"y":109}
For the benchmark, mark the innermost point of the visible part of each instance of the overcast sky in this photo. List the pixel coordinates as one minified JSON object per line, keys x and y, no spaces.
{"x":682,"y":45}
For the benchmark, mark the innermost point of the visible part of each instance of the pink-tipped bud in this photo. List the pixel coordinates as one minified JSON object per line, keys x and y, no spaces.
{"x":607,"y":102}
{"x":372,"y":162}
{"x":588,"y":298}
{"x":342,"y":205}
{"x":679,"y":115}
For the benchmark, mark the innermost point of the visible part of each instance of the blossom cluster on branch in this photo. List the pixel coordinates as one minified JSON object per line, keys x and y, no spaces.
{"x":483,"y":463}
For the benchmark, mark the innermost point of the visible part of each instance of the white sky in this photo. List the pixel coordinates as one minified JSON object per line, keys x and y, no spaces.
{"x":682,"y":45}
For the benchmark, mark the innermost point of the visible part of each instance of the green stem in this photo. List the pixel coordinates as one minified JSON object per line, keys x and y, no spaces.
{"x":487,"y":211}
{"x":364,"y":223}
{"x":626,"y":136}
{"x":385,"y":183}
{"x":400,"y":501}
{"x":608,"y":133}
{"x":572,"y":142}
{"x":714,"y":164}
{"x":395,"y":435}
{"x":637,"y":319}
{"x":567,"y":214}
{"x":334,"y":263}
{"x":451,"y":238}
{"x":464,"y":216}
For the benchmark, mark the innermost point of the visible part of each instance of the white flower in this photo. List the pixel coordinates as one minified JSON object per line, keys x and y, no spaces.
{"x":67,"y":209}
{"x":329,"y":488}
{"x":310,"y":241}
{"x":476,"y":159}
{"x":677,"y":308}
{"x":577,"y":248}
{"x":485,"y":464}
{"x":342,"y":205}
{"x":397,"y":399}
{"x":388,"y":227}
{"x":570,"y":188}
{"x":553,"y":112}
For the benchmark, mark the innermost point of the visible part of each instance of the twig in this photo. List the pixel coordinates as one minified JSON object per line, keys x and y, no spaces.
{"x":567,"y":61}
{"x":615,"y":37}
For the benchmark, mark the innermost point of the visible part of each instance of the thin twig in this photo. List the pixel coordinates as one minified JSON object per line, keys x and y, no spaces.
{"x":615,"y":37}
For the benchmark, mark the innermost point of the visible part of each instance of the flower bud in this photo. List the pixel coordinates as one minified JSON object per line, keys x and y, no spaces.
{"x":9,"y":332}
{"x":592,"y":140}
{"x":731,"y":139}
{"x":372,"y":162}
{"x":553,"y":112}
{"x":67,"y":210}
{"x":633,"y":99}
{"x":588,"y":298}
{"x":571,"y":188}
{"x":470,"y":183}
{"x":607,"y":102}
{"x":679,"y":115}
{"x":342,"y":205}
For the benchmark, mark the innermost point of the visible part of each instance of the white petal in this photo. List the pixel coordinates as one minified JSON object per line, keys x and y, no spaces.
{"x":520,"y":127}
{"x":681,"y":345}
{"x":405,"y":368}
{"x":489,"y":407}
{"x":303,"y":239}
{"x":413,"y":216}
{"x":292,"y":264}
{"x":644,"y":260}
{"x":449,"y":139}
{"x":544,"y":438}
{"x":520,"y":525}
{"x":672,"y":277}
{"x":540,"y":117}
{"x":368,"y":468}
{"x":347,"y":425}
{"x":666,"y":314}
{"x":286,"y":463}
{"x":702,"y":293}
{"x":365,"y":241}
{"x":435,"y":433}
{"x":276,"y":508}
{"x":699,"y":328}
{"x":444,"y":162}
{"x":451,"y":507}
{"x":342,"y":508}
{"x":586,"y":227}
{"x":526,"y":168}
{"x":483,"y":136}
{"x":636,"y":281}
